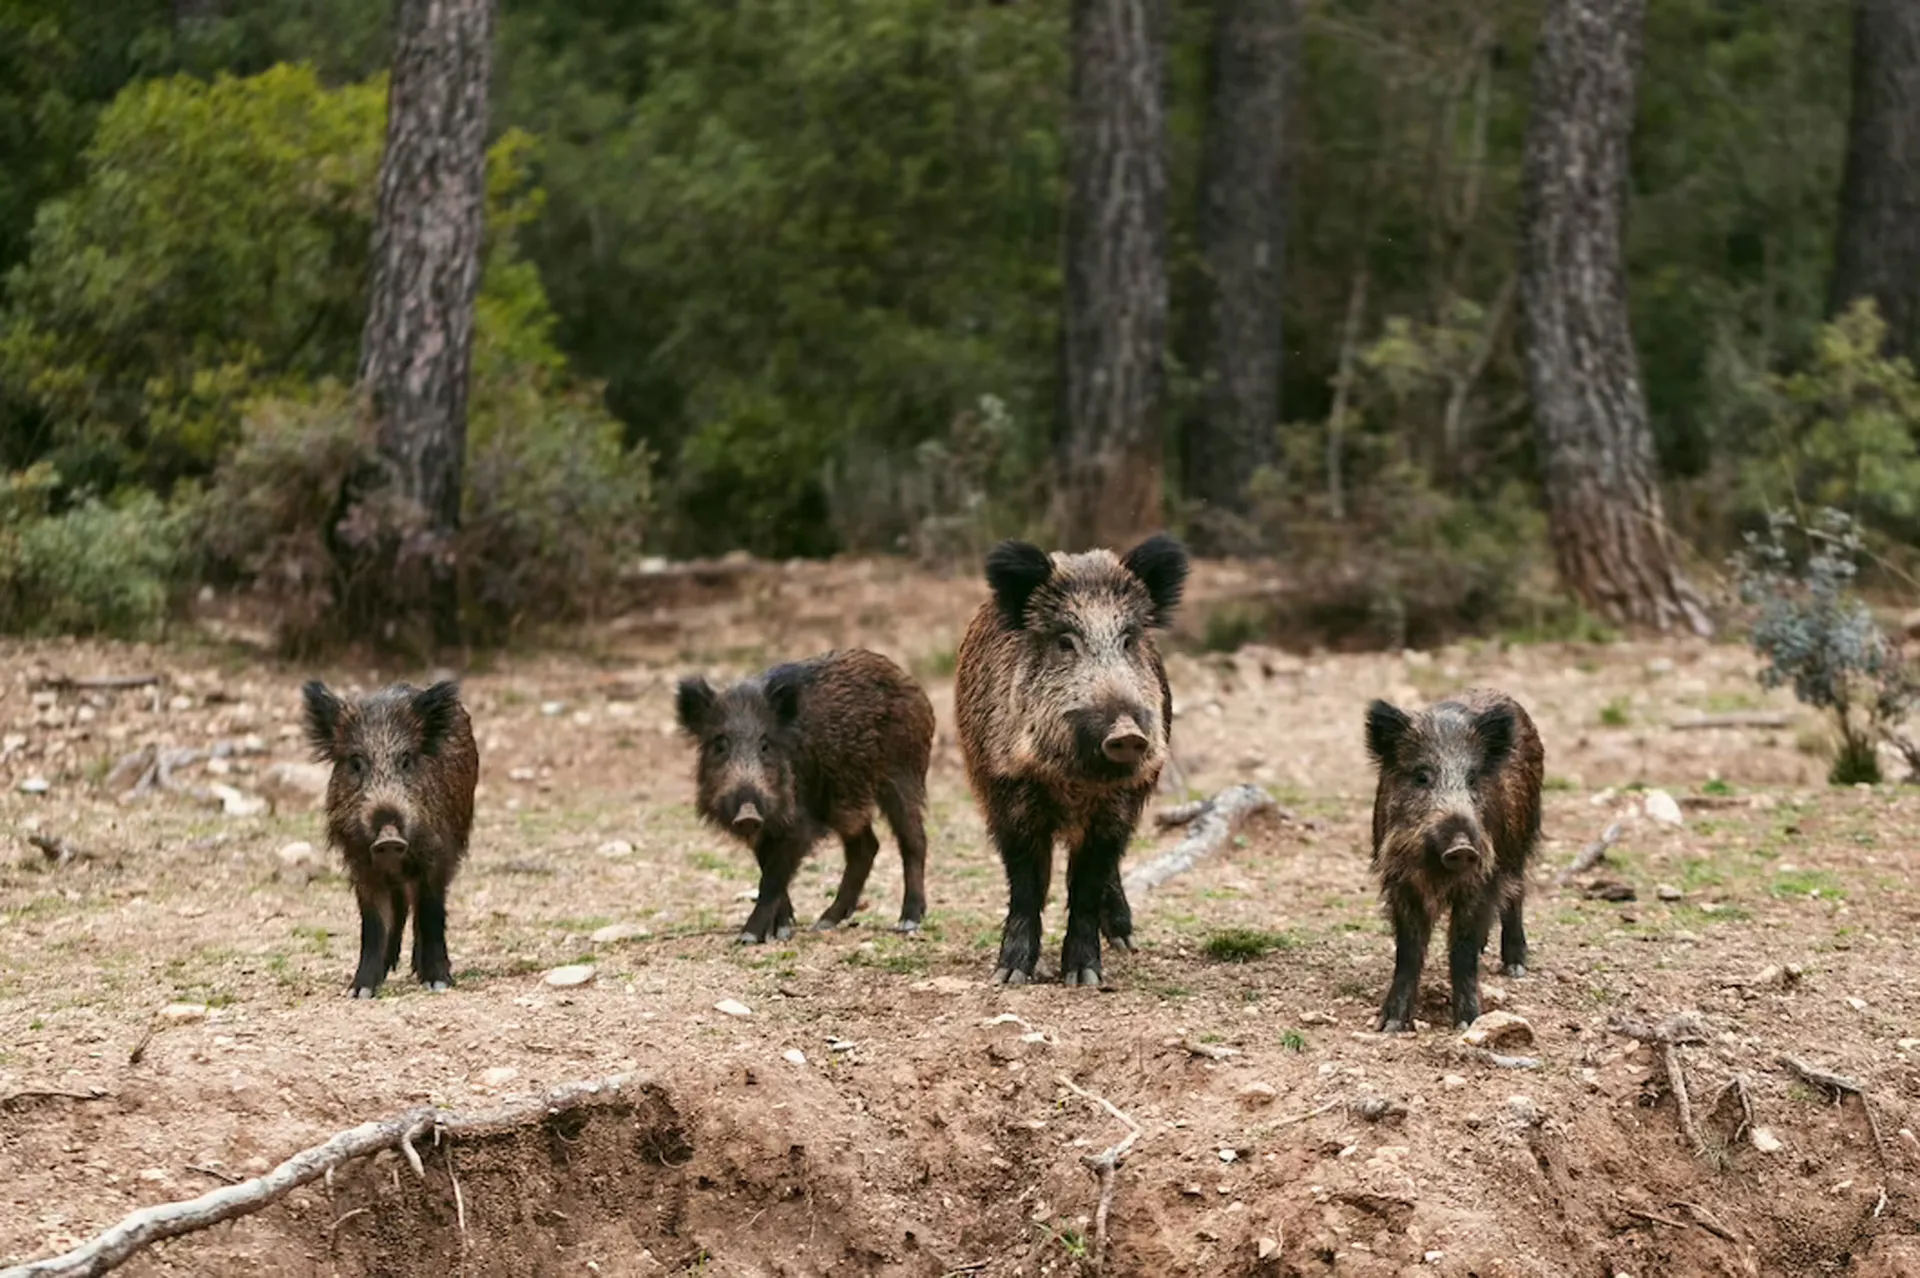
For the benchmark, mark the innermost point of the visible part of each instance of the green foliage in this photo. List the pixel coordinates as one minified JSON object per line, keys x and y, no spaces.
{"x":1244,"y":944}
{"x":93,"y":568}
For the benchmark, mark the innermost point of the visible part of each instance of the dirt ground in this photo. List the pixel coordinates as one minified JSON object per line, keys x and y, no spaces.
{"x":882,"y":1109}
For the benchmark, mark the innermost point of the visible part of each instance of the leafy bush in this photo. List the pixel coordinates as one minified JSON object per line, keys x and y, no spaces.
{"x":1818,"y":636}
{"x":92,"y":568}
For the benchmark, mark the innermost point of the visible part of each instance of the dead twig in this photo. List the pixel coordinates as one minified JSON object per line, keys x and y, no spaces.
{"x":1737,"y":720}
{"x":21,"y":1099}
{"x":1841,"y":1087}
{"x":96,"y":683}
{"x":1105,"y":1166}
{"x":1312,"y":1113}
{"x":1210,"y":829}
{"x":139,"y":1050}
{"x":1670,"y":1035}
{"x":1737,"y":1088}
{"x":1594,"y":853}
{"x":1656,"y":1218}
{"x":214,"y":1172}
{"x":140,"y":1229}
{"x":1677,"y":1084}
{"x":1211,"y":1051}
{"x":1706,"y":1220}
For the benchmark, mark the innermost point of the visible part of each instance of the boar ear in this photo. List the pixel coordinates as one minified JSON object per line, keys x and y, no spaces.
{"x":783,"y":694}
{"x":692,"y":701}
{"x":323,"y":719}
{"x":1015,"y":569}
{"x":1387,"y":727}
{"x":1160,"y":563}
{"x":1495,"y":728}
{"x":438,"y":709}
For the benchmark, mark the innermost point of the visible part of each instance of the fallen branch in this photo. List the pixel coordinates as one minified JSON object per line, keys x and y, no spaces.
{"x":1105,"y":1166}
{"x":1594,"y":853}
{"x":1841,"y":1087}
{"x":1670,"y":1035}
{"x":1736,"y":1087}
{"x":1677,"y":1084}
{"x":21,"y":1099}
{"x":1705,"y":1219}
{"x":1211,"y":1051}
{"x":140,"y":1229}
{"x":1211,"y":827}
{"x":96,"y":683}
{"x":58,"y":850}
{"x":1312,"y":1113}
{"x":1736,"y":720}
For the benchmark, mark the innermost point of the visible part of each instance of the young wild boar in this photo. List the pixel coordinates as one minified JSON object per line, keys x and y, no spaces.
{"x":1456,"y":817}
{"x":1065,"y":721}
{"x":807,"y":749}
{"x":400,"y":809}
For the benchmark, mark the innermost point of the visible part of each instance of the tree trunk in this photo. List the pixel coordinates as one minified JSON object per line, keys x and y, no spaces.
{"x":416,"y":351}
{"x":1877,"y":249}
{"x":1241,"y":226}
{"x":1109,"y":448}
{"x":1610,"y":536}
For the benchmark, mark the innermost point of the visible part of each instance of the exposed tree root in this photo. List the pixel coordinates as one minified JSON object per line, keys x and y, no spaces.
{"x":1105,"y":1166}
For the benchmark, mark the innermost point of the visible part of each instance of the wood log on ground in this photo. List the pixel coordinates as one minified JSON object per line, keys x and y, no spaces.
{"x":142,"y":1228}
{"x":1210,"y":827}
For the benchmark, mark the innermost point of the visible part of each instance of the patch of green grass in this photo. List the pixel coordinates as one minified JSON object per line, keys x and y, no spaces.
{"x":1243,"y":944}
{"x":1558,"y":783}
{"x":1791,"y":884}
{"x":1716,"y":786}
{"x":1700,"y":872}
{"x":1616,"y":713}
{"x":937,"y":664}
{"x":1233,"y":625}
{"x":1294,"y":1041}
{"x":711,"y":862}
{"x":900,"y":963}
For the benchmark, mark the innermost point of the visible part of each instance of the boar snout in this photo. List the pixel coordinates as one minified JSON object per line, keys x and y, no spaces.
{"x":1125,"y":743}
{"x":389,"y":842}
{"x":1457,"y":843}
{"x":747,"y":820}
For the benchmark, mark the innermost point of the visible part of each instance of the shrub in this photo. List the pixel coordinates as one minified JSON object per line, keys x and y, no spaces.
{"x":93,"y":568}
{"x":1821,"y":638}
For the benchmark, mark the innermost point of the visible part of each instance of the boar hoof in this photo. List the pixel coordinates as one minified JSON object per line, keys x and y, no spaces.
{"x":1089,"y":976}
{"x":825,"y":923}
{"x":1390,"y":1026}
{"x":439,"y":987}
{"x":1006,"y":976}
{"x":1122,"y":943}
{"x":360,"y":991}
{"x":1515,"y":970}
{"x":784,"y":932}
{"x":907,"y":926}
{"x":749,"y":937}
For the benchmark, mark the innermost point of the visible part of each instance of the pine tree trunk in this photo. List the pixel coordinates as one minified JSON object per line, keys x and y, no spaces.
{"x":1242,"y":227}
{"x":1610,"y":535}
{"x":1109,"y":448}
{"x":416,"y":351}
{"x":1877,"y":249}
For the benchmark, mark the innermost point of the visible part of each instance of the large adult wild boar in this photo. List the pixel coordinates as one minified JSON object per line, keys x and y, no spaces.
{"x":1065,"y":721}
{"x":1456,"y":818}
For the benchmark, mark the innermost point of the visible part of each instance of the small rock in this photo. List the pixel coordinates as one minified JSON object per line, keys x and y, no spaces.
{"x":1660,"y":807}
{"x":498,"y":1076}
{"x":35,"y":785}
{"x":1254,"y":1095}
{"x":1786,"y":976}
{"x":1498,"y":1029}
{"x":571,"y":975}
{"x":184,"y":1012}
{"x":236,"y":804}
{"x":616,"y":847}
{"x":942,"y":985}
{"x":794,"y":1056}
{"x":1434,"y":1257}
{"x":1610,"y":890}
{"x":1765,"y":1141}
{"x":732,"y":1007}
{"x":1660,"y":666}
{"x":1453,"y":1082}
{"x":1229,"y":1156}
{"x":1908,"y":1044}
{"x":1857,"y":1004}
{"x":613,"y":932}
{"x":1266,"y":1247}
{"x":1192,"y":1189}
{"x":299,"y":863}
{"x":521,"y":774}
{"x":845,"y":1044}
{"x":1525,"y":1110}
{"x":1668,"y":892}
{"x":552,"y":708}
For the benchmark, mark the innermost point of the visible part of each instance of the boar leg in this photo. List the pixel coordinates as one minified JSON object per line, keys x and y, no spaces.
{"x":772,"y":911}
{"x":1513,"y":935}
{"x":1023,"y":830}
{"x":430,"y":961}
{"x":1116,"y":916}
{"x":1092,"y":871}
{"x":1412,"y":928}
{"x":376,"y":922}
{"x":398,"y":926}
{"x":861,"y":848}
{"x":904,"y":802}
{"x":1466,"y":936}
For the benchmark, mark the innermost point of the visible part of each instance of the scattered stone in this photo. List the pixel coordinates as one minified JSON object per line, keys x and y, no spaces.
{"x":1857,"y":1004}
{"x":1908,"y":1044}
{"x":498,"y":1076}
{"x":732,"y":1007}
{"x":184,"y":1012}
{"x":1254,"y":1095}
{"x":1266,"y":1247}
{"x":847,"y":1044}
{"x":616,"y":847}
{"x":35,"y":785}
{"x":1668,"y":892}
{"x":613,"y":932}
{"x":1318,"y":1018}
{"x":1765,"y":1141}
{"x":236,"y":804}
{"x":794,"y":1056}
{"x":1434,"y":1257}
{"x":1661,"y":808}
{"x":1610,"y":890}
{"x":299,"y":863}
{"x":1786,"y":976}
{"x":1498,"y":1030}
{"x":1525,"y":1110}
{"x":1660,"y":666}
{"x":1229,"y":1156}
{"x":1192,"y":1190}
{"x":571,"y":975}
{"x":1454,"y":1082}
{"x":942,"y":985}
{"x":552,"y":708}
{"x":521,"y":774}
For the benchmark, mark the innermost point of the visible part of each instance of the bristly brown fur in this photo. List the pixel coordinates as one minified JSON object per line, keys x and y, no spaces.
{"x":1466,"y":768}
{"x":1064,"y":645}
{"x":815,"y":746}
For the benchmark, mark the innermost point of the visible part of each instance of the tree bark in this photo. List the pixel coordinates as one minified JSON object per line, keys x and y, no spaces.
{"x":1109,"y":448}
{"x":1610,"y":535}
{"x":416,"y":351}
{"x":1877,"y":248}
{"x":1242,"y":234}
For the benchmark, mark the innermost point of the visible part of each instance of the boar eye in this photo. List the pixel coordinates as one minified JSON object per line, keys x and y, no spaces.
{"x":406,"y":761}
{"x":1067,"y":642}
{"x":356,"y":766}
{"x":766,"y":745}
{"x":718,"y":745}
{"x":1129,"y":641}
{"x":1423,"y":777}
